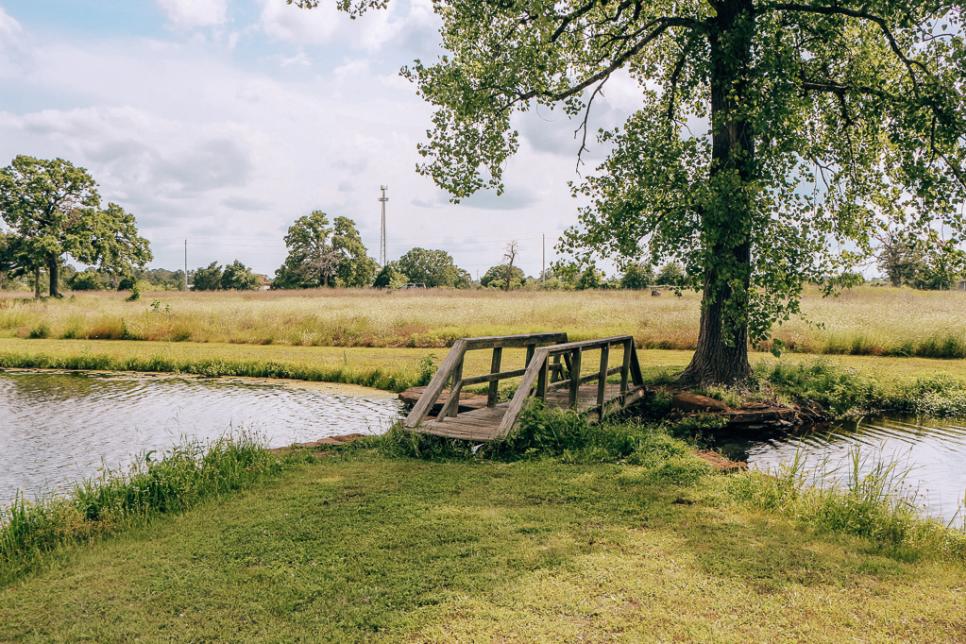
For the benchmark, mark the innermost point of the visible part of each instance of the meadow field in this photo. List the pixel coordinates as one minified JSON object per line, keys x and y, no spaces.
{"x":863,"y":321}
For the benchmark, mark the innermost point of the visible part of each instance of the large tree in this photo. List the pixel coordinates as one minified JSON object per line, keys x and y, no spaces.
{"x":54,"y":210}
{"x":775,"y":138}
{"x":432,"y":268}
{"x":324,"y":254}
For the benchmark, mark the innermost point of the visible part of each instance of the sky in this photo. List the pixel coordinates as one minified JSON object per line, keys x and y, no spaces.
{"x":222,"y":121}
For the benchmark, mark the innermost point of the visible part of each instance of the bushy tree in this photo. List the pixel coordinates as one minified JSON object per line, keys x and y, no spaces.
{"x":238,"y":277}
{"x":637,"y":276}
{"x":775,"y":137}
{"x":941,"y":266}
{"x":207,"y":278}
{"x":590,"y":278}
{"x":54,"y":209}
{"x":87,"y":280}
{"x":324,"y":254}
{"x":496,"y":277}
{"x":433,"y":268}
{"x":390,"y":277}
{"x":672,"y":274}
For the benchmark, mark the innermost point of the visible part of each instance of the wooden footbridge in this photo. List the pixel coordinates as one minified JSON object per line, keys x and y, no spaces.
{"x":554,"y":371}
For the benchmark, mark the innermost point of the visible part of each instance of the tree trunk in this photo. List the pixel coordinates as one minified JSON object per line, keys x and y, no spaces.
{"x":36,"y":282}
{"x":53,"y":268}
{"x":721,"y":355}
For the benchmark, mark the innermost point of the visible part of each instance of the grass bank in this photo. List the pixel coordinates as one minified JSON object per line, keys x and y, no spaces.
{"x":154,"y":485}
{"x":847,"y":385}
{"x":863,"y":321}
{"x":593,"y":536}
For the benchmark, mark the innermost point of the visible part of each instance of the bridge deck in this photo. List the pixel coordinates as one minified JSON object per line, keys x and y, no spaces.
{"x":483,"y":424}
{"x":551,"y":372}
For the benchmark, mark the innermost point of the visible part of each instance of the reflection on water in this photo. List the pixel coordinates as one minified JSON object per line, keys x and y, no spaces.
{"x":929,"y":454}
{"x":58,"y":428}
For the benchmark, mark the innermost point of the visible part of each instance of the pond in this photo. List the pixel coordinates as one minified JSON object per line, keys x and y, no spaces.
{"x":929,"y":457}
{"x":59,"y":428}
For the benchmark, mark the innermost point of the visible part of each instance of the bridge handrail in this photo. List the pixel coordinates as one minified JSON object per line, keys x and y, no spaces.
{"x":539,"y":371}
{"x":451,"y":370}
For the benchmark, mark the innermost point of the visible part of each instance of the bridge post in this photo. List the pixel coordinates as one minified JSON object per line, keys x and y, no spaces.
{"x":493,"y":390}
{"x":602,"y":380}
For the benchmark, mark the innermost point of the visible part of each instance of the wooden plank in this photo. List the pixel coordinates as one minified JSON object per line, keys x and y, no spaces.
{"x":626,"y":365}
{"x":468,"y":401}
{"x":636,"y":376}
{"x":494,"y":371}
{"x":522,"y":340}
{"x":575,"y":376}
{"x":602,"y":381}
{"x":451,"y":408}
{"x":542,"y":382}
{"x":436,"y":384}
{"x":523,"y":391}
{"x":492,"y":377}
{"x":567,"y":347}
{"x":589,"y":377}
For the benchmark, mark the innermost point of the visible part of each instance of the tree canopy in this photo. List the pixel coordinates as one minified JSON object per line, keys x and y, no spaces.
{"x":433,"y":268}
{"x":496,"y":277}
{"x":53,"y":210}
{"x":390,"y":276}
{"x":774,"y":140}
{"x":207,"y":278}
{"x":324,"y":254}
{"x":238,"y":277}
{"x":637,"y":276}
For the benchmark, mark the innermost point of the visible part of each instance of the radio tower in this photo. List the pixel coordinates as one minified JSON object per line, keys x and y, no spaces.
{"x":382,"y":230}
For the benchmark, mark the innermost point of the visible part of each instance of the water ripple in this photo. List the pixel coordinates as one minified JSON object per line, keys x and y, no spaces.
{"x":58,"y":428}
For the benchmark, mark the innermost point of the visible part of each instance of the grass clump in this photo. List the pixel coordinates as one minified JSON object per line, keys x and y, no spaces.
{"x":564,"y":436}
{"x":845,"y":392}
{"x":872,"y":505}
{"x":185,"y":475}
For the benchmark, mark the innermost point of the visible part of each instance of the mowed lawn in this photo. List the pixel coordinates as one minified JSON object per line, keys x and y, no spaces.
{"x":361,"y":547}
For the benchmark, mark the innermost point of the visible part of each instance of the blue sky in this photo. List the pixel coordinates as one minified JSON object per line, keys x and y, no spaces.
{"x":221,"y":121}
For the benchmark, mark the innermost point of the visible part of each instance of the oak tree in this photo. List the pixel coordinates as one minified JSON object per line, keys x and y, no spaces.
{"x":53,"y":210}
{"x":775,"y":138}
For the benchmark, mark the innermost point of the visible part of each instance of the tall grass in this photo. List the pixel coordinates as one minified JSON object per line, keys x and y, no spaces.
{"x":184,"y":476}
{"x":565,"y":435}
{"x":873,"y":504}
{"x":863,"y":321}
{"x":846,"y":392}
{"x":377,"y":376}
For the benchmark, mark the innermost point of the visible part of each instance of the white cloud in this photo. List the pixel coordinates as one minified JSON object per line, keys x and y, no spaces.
{"x":207,"y":145}
{"x":195,"y":13}
{"x":304,"y":26}
{"x":10,"y":29}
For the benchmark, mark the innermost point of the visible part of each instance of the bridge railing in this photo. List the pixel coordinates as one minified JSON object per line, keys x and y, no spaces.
{"x":545,"y":374}
{"x":451,"y":371}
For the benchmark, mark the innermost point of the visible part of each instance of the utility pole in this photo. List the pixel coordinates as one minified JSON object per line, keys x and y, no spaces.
{"x":382,"y":230}
{"x":543,"y":260}
{"x":186,"y":264}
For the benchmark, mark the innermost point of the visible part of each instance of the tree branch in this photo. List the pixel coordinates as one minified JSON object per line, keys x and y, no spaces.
{"x":832,"y":10}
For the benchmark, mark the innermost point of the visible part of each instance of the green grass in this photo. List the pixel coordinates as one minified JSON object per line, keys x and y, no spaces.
{"x":364,"y":546}
{"x":154,"y":485}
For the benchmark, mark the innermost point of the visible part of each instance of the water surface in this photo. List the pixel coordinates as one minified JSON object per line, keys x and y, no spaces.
{"x":929,"y":457}
{"x":58,"y":428}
